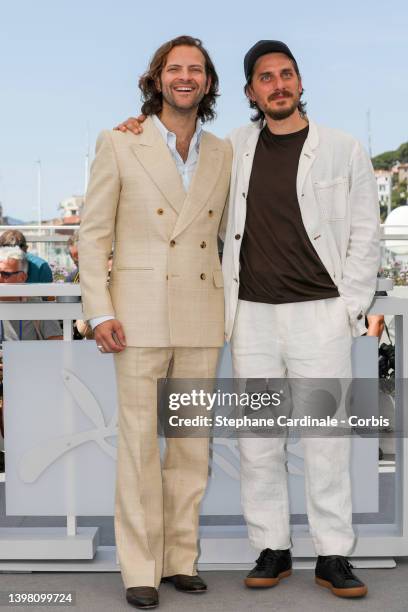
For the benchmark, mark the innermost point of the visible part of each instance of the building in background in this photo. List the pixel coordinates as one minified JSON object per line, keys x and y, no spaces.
{"x":71,"y":209}
{"x":384,"y":186}
{"x":402,"y":173}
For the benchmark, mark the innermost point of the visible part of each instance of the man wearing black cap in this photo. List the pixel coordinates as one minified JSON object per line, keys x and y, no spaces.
{"x":300,"y":260}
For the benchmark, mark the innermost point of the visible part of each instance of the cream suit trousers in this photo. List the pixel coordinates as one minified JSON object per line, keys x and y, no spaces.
{"x":299,"y":340}
{"x":157,"y":508}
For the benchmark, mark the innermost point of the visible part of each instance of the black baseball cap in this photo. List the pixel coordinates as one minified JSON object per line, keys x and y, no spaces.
{"x":261,"y":48}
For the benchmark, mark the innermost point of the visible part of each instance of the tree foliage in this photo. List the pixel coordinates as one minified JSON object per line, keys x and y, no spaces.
{"x":386,"y":160}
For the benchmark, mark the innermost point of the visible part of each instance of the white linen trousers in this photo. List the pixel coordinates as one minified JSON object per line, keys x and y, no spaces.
{"x":309,"y":339}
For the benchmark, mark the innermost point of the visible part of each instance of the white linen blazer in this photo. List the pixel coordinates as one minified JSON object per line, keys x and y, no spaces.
{"x":338,"y":201}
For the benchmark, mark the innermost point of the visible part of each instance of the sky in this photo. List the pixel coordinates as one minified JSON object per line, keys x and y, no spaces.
{"x":69,"y":68}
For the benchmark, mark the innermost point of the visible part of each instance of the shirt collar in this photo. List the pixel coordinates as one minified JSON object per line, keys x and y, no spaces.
{"x":170,"y":137}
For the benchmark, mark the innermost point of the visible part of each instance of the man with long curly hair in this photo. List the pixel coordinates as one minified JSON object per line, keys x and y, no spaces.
{"x":161,"y":197}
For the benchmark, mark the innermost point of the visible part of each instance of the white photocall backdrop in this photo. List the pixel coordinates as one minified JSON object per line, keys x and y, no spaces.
{"x":60,"y":420}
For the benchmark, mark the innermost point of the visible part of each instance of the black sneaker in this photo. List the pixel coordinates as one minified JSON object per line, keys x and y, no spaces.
{"x":271,"y":566}
{"x":334,"y":572}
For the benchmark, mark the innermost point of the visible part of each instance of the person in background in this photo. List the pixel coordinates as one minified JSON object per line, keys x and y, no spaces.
{"x":14,"y":269}
{"x":73,"y":277}
{"x":72,"y":243}
{"x":39,"y":270}
{"x":375,"y":325}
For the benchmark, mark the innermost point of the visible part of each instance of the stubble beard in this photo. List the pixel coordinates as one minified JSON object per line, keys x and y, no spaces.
{"x":182,"y":110}
{"x":284,"y":113}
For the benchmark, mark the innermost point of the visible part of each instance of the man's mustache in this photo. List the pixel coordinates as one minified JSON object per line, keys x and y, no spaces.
{"x":279,"y":94}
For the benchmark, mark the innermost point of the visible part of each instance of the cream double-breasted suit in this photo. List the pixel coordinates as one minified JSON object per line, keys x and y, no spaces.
{"x":166,"y":289}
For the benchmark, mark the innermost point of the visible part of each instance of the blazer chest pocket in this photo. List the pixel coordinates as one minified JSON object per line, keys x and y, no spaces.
{"x":332,"y":198}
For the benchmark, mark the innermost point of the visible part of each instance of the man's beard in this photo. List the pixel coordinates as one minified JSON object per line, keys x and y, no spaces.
{"x":182,"y":109}
{"x":284,"y":113}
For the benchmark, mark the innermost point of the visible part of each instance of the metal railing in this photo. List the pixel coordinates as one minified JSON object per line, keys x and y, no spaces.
{"x":49,"y":242}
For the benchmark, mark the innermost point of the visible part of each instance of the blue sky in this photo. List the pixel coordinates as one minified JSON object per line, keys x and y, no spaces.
{"x":66,"y":64}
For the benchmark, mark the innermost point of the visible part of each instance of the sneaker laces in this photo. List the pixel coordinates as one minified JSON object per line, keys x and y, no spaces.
{"x":267,"y":558}
{"x":344,"y":566}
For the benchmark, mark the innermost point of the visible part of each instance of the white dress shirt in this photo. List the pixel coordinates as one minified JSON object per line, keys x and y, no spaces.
{"x":186,"y":170}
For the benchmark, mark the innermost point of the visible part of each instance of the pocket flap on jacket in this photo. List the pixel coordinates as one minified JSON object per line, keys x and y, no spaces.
{"x":218,"y":278}
{"x":134,"y":268}
{"x":332,"y":197}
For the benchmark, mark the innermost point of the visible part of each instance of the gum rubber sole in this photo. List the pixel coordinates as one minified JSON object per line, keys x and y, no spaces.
{"x":348,"y":593}
{"x":264,"y":583}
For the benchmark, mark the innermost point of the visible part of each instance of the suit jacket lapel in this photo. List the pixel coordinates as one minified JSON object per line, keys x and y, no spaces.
{"x":155,"y":157}
{"x":205,"y":177}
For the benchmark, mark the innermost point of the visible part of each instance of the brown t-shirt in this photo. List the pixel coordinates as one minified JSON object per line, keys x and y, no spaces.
{"x":278,"y":262}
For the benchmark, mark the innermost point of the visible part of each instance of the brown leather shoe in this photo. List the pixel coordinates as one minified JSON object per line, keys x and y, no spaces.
{"x":142,"y":597}
{"x":187,"y":584}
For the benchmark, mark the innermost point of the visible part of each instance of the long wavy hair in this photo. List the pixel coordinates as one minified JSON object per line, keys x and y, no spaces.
{"x":259,"y":115}
{"x":152,"y":98}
